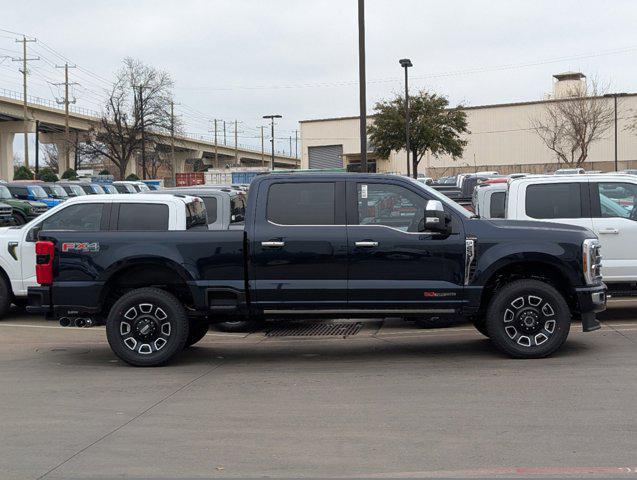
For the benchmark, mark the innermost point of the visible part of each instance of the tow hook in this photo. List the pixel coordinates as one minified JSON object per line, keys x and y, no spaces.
{"x":79,"y":322}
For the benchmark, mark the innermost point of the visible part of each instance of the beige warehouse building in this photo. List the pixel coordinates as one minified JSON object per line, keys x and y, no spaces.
{"x":501,"y":138}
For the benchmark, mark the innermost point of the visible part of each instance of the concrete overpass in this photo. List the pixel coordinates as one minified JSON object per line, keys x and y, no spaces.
{"x":51,"y":123}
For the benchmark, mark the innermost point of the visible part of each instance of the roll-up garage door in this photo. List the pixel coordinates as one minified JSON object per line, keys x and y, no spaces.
{"x":328,"y":156}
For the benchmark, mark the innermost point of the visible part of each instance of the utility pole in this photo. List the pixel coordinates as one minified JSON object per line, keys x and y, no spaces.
{"x":66,"y":103}
{"x":141,"y":119}
{"x":224,"y":132}
{"x":296,"y":144}
{"x":236,"y":144}
{"x":216,"y":154}
{"x":25,"y":72}
{"x":271,"y":118}
{"x":290,"y":145}
{"x":362,"y":84}
{"x":37,"y":146}
{"x":262,"y":149}
{"x":172,"y":137}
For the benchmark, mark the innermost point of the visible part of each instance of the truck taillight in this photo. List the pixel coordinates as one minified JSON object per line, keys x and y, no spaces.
{"x":44,"y":253}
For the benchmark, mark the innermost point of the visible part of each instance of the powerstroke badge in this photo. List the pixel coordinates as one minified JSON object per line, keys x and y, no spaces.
{"x":83,"y":247}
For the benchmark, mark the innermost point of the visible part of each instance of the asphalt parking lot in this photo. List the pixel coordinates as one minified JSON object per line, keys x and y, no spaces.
{"x":391,"y":400}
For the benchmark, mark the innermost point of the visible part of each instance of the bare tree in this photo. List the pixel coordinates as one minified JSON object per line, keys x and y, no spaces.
{"x":569,"y":126}
{"x":51,"y":156}
{"x":140,"y":94}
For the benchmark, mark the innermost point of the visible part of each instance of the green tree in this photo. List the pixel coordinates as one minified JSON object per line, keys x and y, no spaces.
{"x":47,"y":174}
{"x":69,"y":174}
{"x":433,"y":127}
{"x":132,"y":177}
{"x":22,"y":173}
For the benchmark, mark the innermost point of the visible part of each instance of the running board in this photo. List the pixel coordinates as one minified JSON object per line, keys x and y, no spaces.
{"x":374,"y":312}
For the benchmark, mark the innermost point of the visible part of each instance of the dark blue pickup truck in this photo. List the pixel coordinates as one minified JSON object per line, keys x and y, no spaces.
{"x":337,"y":245}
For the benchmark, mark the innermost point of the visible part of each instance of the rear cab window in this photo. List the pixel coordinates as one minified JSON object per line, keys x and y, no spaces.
{"x":497,"y":205}
{"x":237,"y":209}
{"x":196,"y":215}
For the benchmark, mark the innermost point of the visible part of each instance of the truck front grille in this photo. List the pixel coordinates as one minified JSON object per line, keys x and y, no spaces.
{"x":5,"y":211}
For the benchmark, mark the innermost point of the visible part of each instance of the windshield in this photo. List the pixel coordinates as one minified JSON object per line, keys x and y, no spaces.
{"x":444,"y":199}
{"x":77,"y":190}
{"x":5,"y":193}
{"x":109,"y":189}
{"x":97,"y":189}
{"x":58,"y":192}
{"x":37,"y":191}
{"x":143,"y":187}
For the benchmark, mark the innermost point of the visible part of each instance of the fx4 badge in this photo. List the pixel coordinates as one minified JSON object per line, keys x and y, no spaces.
{"x":83,"y":247}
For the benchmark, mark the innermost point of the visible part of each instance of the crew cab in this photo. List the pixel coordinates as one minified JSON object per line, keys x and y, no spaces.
{"x":603,"y":203}
{"x":325,"y":245}
{"x":87,"y":214}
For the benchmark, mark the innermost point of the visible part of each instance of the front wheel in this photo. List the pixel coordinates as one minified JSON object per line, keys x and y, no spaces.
{"x":528,"y":319}
{"x":19,"y":218}
{"x":147,"y":327}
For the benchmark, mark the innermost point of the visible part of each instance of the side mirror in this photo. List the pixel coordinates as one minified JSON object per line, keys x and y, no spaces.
{"x":436,"y":219}
{"x":32,"y":234}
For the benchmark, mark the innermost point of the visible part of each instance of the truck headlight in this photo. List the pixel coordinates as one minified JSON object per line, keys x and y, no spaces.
{"x":591,"y":261}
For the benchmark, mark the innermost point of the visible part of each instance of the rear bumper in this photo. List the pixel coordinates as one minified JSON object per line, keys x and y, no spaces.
{"x":591,"y":300}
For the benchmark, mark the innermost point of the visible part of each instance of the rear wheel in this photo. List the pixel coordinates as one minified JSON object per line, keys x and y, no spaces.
{"x":196,"y":332}
{"x":528,"y":319}
{"x":147,"y":327}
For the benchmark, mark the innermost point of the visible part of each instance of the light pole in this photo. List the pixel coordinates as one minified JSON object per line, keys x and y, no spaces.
{"x":406,"y":63}
{"x":362,"y":91}
{"x":272,"y":117}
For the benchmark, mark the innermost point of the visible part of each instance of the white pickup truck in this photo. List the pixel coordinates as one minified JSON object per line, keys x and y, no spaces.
{"x":603,"y":203}
{"x":90,"y":214}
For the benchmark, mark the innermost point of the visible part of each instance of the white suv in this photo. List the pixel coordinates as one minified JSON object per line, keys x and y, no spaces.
{"x":92,"y":213}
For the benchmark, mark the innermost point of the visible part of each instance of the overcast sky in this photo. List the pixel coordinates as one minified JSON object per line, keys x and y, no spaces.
{"x":298,"y":58}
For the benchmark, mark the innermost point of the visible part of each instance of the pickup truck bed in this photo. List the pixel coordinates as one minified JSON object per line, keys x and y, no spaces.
{"x":330,"y":245}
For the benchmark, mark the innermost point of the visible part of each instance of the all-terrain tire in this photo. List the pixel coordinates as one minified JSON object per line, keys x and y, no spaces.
{"x":196,"y":332}
{"x":147,"y":327}
{"x":19,"y":218}
{"x":528,"y":319}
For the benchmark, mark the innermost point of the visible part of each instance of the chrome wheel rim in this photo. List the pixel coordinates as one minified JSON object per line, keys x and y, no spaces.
{"x":145,"y":328}
{"x":529,"y":321}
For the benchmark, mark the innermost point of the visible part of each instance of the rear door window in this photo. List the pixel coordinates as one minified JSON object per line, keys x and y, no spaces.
{"x":142,"y":217}
{"x":554,"y":200}
{"x":301,"y":203}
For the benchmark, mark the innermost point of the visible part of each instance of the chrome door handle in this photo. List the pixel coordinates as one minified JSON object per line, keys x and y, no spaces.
{"x":613,"y":231}
{"x":366,"y":244}
{"x":273,"y":244}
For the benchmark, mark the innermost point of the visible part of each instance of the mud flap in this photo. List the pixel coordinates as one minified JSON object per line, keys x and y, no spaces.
{"x":590,"y":322}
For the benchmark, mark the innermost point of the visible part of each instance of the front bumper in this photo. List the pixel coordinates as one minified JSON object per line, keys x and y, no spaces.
{"x":591,"y":300}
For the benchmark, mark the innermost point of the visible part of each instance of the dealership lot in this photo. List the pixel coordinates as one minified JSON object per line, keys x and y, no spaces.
{"x":391,"y":400}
